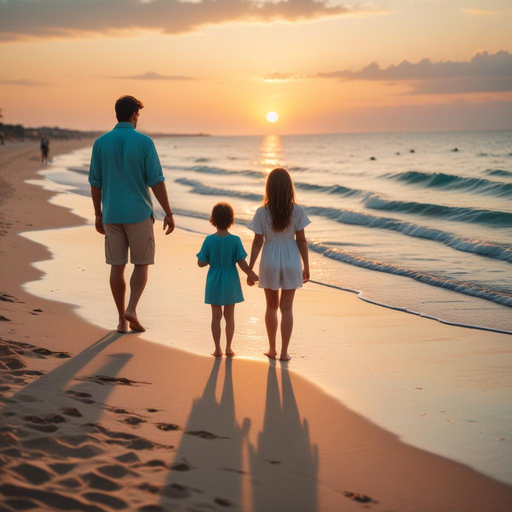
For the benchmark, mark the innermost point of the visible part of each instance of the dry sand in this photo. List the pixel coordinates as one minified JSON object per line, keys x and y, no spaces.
{"x":94,"y":420}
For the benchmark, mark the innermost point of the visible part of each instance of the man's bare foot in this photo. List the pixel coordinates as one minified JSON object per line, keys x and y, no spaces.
{"x":229,"y":352}
{"x":217,"y":353}
{"x":272,"y":354}
{"x":122,"y":326}
{"x":135,"y":325}
{"x":284,"y":357}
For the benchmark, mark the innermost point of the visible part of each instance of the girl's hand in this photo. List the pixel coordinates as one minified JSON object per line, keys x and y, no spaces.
{"x":305,"y":275}
{"x":252,"y":277}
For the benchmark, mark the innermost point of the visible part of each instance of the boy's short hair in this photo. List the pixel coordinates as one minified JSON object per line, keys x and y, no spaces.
{"x":126,"y":106}
{"x":222,"y":216}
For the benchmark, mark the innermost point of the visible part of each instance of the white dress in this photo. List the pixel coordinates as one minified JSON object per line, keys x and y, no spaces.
{"x":280,"y":264}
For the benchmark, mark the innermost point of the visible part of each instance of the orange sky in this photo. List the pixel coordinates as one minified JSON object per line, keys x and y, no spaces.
{"x":219,"y":67}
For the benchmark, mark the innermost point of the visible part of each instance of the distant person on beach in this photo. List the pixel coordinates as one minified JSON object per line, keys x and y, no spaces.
{"x":223,"y":251}
{"x":124,"y":164}
{"x":45,"y":150}
{"x":278,"y":227}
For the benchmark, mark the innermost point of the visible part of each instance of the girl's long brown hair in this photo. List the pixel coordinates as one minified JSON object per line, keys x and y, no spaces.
{"x":279,"y":198}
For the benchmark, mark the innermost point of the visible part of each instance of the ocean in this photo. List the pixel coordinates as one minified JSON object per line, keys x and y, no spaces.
{"x":420,"y":222}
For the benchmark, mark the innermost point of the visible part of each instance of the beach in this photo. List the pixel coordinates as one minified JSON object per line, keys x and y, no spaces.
{"x":95,"y":420}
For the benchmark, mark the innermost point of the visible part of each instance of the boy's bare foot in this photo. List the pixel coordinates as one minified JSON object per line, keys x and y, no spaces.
{"x":135,"y":325}
{"x":122,"y":326}
{"x":272,"y":354}
{"x":229,"y":352}
{"x":284,"y":357}
{"x":217,"y":353}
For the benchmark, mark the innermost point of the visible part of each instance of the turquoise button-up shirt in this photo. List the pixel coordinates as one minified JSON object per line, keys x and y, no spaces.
{"x":124,"y":164}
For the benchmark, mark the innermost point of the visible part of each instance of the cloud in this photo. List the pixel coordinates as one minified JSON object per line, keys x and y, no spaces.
{"x":483,"y":73}
{"x":463,"y":85}
{"x":66,"y":18}
{"x":156,"y":76}
{"x":26,"y":83}
{"x":275,"y":77}
{"x":485,"y":12}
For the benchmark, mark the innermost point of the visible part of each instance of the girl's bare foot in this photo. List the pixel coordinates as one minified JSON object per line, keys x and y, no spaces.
{"x":272,"y":354}
{"x":122,"y":326}
{"x":217,"y":353}
{"x":284,"y":357}
{"x":229,"y":352}
{"x":135,"y":325}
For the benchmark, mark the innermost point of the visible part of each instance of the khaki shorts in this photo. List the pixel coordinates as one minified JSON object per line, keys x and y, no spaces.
{"x":139,"y":238}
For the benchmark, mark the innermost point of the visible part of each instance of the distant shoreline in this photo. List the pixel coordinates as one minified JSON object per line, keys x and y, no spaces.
{"x":18,"y":133}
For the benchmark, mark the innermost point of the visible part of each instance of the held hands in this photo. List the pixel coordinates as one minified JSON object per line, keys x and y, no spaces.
{"x":169,"y":224}
{"x":305,"y":275}
{"x":252,"y":277}
{"x":98,"y":223}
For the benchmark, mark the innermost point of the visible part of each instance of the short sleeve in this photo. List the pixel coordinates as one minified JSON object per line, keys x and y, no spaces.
{"x":154,"y":174}
{"x":204,"y":253}
{"x":302,"y":219}
{"x":240,"y":251}
{"x":256,"y":223}
{"x":95,"y":169}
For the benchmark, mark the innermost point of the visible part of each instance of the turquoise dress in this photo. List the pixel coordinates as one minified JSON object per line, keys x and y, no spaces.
{"x":222,"y":283}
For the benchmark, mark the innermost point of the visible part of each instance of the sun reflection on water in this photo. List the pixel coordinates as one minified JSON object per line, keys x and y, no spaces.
{"x":271,"y":152}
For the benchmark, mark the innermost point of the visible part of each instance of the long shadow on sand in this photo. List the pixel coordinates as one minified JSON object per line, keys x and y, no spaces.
{"x":57,"y":379}
{"x":284,"y":465}
{"x":213,"y":455}
{"x":59,"y":429}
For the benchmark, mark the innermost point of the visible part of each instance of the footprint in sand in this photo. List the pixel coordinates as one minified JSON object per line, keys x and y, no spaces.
{"x":114,"y":470}
{"x":105,"y":379}
{"x":105,"y":499}
{"x":32,"y":474}
{"x":203,"y":434}
{"x":99,"y":482}
{"x":134,"y":420}
{"x":167,"y":426}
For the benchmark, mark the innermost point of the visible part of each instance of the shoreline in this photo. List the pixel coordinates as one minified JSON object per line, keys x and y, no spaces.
{"x":331,"y":466}
{"x":359,"y":294}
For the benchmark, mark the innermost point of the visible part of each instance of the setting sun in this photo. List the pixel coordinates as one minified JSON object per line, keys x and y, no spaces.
{"x":272,"y":117}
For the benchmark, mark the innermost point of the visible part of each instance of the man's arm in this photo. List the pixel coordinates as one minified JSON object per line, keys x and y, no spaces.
{"x":95,"y":179}
{"x":160,"y":192}
{"x":96,"y":201}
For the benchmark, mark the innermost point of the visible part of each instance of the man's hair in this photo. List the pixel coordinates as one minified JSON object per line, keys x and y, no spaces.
{"x":222,"y":216}
{"x":126,"y":106}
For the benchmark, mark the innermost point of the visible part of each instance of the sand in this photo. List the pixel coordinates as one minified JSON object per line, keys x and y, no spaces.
{"x":94,"y":420}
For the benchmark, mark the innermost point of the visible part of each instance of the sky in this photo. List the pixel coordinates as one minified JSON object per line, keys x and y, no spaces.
{"x":218,"y":66}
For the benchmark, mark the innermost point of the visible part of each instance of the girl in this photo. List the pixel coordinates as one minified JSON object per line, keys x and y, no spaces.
{"x":222,"y":251}
{"x":280,"y":223}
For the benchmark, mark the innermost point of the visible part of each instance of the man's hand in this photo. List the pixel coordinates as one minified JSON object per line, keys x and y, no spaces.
{"x":169,"y":224}
{"x":99,"y":225}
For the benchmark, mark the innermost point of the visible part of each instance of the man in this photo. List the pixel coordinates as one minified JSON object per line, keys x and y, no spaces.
{"x":124,"y":164}
{"x":45,"y":150}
